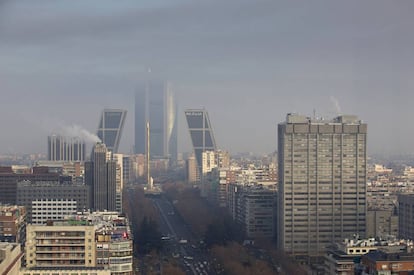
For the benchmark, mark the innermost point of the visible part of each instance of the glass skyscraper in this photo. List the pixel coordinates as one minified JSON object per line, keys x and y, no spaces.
{"x":201,"y":133}
{"x":110,"y":128}
{"x":155,"y":103}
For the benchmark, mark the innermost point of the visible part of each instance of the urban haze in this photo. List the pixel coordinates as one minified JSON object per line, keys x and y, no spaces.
{"x":247,"y":62}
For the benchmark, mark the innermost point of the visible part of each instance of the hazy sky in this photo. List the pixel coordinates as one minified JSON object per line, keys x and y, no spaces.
{"x":247,"y":62}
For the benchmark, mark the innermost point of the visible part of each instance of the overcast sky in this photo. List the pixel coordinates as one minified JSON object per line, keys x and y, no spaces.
{"x":247,"y":62}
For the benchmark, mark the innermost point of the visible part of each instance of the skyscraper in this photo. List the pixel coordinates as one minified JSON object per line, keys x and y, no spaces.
{"x":100,"y":174}
{"x":322,"y":182}
{"x":110,"y":128}
{"x":60,"y":148}
{"x":154,"y":103}
{"x":201,"y":133}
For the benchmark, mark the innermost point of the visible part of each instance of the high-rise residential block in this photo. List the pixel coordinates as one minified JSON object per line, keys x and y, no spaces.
{"x":322,"y":182}
{"x":100,"y":174}
{"x":61,"y":148}
{"x":84,"y":243}
{"x":201,"y":134}
{"x":63,"y":245}
{"x":110,"y":128}
{"x":155,"y":103}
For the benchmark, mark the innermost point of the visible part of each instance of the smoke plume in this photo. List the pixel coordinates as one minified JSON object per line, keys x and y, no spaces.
{"x":335,"y":102}
{"x":78,"y":131}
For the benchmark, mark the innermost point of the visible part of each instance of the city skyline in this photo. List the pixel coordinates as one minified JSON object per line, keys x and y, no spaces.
{"x":249,"y":67}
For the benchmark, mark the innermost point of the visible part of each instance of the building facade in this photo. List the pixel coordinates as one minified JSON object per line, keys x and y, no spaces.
{"x":322,"y":182}
{"x":100,"y":175}
{"x":406,"y":216}
{"x":95,"y":241}
{"x":155,"y":103}
{"x":256,"y":212}
{"x":60,"y":245}
{"x":382,"y":223}
{"x":9,"y":180}
{"x":70,"y":149}
{"x":12,"y":223}
{"x":10,"y":258}
{"x":50,"y":192}
{"x":44,"y":210}
{"x":110,"y":128}
{"x":201,"y":134}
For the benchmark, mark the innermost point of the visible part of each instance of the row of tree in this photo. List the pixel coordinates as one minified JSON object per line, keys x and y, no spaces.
{"x":144,"y":219}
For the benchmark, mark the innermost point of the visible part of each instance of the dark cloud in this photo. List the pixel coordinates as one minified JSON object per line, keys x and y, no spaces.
{"x":247,"y":62}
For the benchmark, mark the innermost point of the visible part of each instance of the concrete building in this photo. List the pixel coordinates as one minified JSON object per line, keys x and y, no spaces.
{"x":256,"y":212}
{"x":382,"y":223}
{"x":380,"y":262}
{"x":9,"y":179}
{"x":114,"y":249}
{"x":110,"y":128}
{"x":155,"y":103}
{"x":10,"y":258}
{"x":193,"y":174}
{"x":44,"y":210}
{"x":61,"y":148}
{"x":60,"y":244}
{"x":119,"y":160}
{"x":344,"y":258}
{"x":12,"y":223}
{"x":406,"y":216}
{"x":322,"y":182}
{"x":75,"y":170}
{"x":100,"y":174}
{"x":48,"y":191}
{"x":127,"y":169}
{"x":83,"y":242}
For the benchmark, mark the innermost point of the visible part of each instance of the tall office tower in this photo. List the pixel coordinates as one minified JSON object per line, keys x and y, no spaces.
{"x":60,"y":148}
{"x":100,"y":174}
{"x":201,"y":133}
{"x":154,"y":103}
{"x":110,"y":128}
{"x":322,"y":182}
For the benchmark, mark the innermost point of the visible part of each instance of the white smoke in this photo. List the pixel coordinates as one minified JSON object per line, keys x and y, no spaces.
{"x":335,"y":102}
{"x":75,"y":130}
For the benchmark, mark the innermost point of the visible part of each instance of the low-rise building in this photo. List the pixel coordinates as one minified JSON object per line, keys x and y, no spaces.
{"x":10,"y":258}
{"x":12,"y":223}
{"x":380,"y":262}
{"x":344,"y":258}
{"x":65,"y":271}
